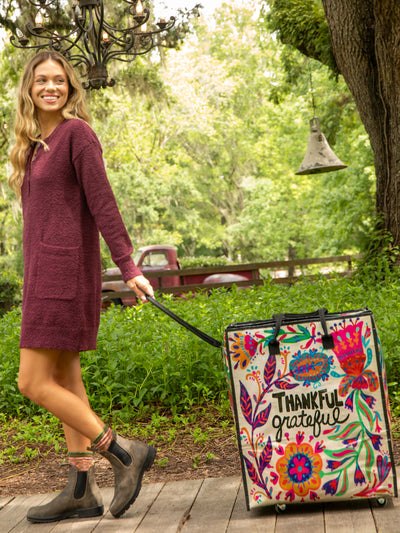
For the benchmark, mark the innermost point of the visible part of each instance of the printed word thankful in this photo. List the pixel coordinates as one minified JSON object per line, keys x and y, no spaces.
{"x":313,"y":400}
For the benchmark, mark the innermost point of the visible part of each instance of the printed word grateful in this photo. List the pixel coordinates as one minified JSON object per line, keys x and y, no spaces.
{"x":316,"y":401}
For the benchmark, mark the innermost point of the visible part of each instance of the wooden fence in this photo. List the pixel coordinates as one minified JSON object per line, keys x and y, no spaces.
{"x":280,"y":272}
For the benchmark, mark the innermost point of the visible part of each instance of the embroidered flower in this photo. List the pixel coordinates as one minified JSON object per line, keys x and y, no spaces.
{"x":359,"y":477}
{"x":376,"y":440}
{"x":350,"y":353}
{"x":311,"y":366}
{"x":243,"y":348}
{"x":299,"y":468}
{"x":331,"y":486}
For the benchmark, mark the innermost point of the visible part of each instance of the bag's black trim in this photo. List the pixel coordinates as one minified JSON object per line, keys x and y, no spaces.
{"x":290,"y":318}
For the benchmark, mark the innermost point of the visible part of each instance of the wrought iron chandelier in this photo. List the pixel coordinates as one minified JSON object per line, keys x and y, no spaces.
{"x":92,"y":41}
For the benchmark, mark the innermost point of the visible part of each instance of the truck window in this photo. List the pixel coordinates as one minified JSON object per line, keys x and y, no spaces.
{"x":155,"y":259}
{"x":136,"y":256}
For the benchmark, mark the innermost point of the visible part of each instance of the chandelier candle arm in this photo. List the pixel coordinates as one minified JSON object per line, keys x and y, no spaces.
{"x":93,"y":42}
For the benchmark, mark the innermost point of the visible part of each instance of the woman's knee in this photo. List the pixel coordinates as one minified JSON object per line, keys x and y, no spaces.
{"x":24,"y":385}
{"x":35,"y":373}
{"x":31,"y":389}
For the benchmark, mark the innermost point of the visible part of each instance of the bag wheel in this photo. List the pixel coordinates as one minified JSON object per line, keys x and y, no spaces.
{"x":280,"y":508}
{"x":381,"y":501}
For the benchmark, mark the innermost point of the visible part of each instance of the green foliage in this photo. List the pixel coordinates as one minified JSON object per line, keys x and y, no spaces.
{"x":203,"y":261}
{"x":301,"y":24}
{"x":201,"y":153}
{"x":381,"y":259}
{"x":146,"y":362}
{"x":24,"y":434}
{"x":10,"y":290}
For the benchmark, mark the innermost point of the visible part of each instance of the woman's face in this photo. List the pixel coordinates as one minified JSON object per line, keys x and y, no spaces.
{"x":50,"y":88}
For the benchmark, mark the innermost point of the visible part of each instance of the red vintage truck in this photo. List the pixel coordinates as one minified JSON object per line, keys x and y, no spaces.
{"x":156,"y":261}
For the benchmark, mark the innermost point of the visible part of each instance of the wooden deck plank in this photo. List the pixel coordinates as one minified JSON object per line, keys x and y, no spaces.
{"x":13,"y":515}
{"x":170,"y":507}
{"x":254,"y":521}
{"x":213,"y":506}
{"x":83,"y":525}
{"x":301,"y":518}
{"x":5,"y":500}
{"x":387,"y":518}
{"x":130,"y":521}
{"x":24,"y":526}
{"x":349,"y":517}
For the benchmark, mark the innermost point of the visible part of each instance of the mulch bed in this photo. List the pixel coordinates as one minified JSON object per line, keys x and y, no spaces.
{"x":183,"y":459}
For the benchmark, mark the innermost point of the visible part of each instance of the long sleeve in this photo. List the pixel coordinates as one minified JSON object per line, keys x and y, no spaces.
{"x":91,"y":173}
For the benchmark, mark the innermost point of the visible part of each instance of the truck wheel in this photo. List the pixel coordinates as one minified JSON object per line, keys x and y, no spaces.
{"x":107,"y":303}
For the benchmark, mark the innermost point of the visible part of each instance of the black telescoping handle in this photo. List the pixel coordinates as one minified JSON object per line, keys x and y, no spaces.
{"x":198,"y":332}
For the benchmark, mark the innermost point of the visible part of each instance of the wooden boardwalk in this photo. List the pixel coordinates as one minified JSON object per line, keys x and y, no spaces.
{"x":213,"y":505}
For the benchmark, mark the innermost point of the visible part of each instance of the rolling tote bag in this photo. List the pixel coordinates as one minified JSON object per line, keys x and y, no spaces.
{"x":310,"y":402}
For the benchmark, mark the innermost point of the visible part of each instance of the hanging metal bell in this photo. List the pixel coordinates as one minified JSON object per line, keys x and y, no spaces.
{"x":319,"y":156}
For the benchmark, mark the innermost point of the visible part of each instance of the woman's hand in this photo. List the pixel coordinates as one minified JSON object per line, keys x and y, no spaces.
{"x":140,"y":286}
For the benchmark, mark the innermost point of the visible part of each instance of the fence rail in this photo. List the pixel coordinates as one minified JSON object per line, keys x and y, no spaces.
{"x":281,"y":272}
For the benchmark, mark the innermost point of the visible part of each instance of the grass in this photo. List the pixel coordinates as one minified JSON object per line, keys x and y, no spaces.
{"x":149,"y":375}
{"x":21,"y":442}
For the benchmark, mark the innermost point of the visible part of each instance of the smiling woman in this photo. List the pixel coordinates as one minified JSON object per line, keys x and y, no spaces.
{"x":66,"y":200}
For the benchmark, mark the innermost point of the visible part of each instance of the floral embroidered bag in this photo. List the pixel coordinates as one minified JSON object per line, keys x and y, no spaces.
{"x":310,"y":402}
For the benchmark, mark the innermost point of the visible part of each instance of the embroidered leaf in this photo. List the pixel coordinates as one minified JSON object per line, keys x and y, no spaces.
{"x":384,"y":467}
{"x":345,"y":385}
{"x":336,"y":374}
{"x":245,"y":404}
{"x":296,"y":336}
{"x":265,"y":457}
{"x":346,"y":431}
{"x":345,"y":485}
{"x":269,"y":369}
{"x":262,"y":418}
{"x":284,"y":385}
{"x":265,"y":340}
{"x":372,"y":380}
{"x":253,"y":474}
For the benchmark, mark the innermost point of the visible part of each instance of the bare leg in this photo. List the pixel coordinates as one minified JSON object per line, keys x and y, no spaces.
{"x":52,"y":379}
{"x":40,"y":374}
{"x":69,"y":376}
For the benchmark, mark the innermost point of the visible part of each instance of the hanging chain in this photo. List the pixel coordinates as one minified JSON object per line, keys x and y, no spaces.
{"x":312,"y":93}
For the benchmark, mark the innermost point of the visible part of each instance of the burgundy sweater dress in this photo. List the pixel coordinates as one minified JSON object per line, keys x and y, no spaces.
{"x":66,"y":201}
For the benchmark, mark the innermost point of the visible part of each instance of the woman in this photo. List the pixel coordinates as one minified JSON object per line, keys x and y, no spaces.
{"x":66,"y":200}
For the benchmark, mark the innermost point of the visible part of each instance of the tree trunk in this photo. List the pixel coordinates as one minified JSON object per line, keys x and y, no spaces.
{"x":365,"y":36}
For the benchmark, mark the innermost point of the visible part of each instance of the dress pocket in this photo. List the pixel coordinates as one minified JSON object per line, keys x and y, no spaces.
{"x":57,"y":272}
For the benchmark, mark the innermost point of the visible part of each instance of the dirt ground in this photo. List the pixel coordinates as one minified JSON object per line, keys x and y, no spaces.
{"x":183,"y":459}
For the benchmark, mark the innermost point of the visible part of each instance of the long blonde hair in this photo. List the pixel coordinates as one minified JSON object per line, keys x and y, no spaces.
{"x":26,"y":128}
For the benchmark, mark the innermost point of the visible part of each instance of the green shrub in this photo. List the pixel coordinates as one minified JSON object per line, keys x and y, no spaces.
{"x":10,"y":290}
{"x":203,"y":261}
{"x":146,"y":361}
